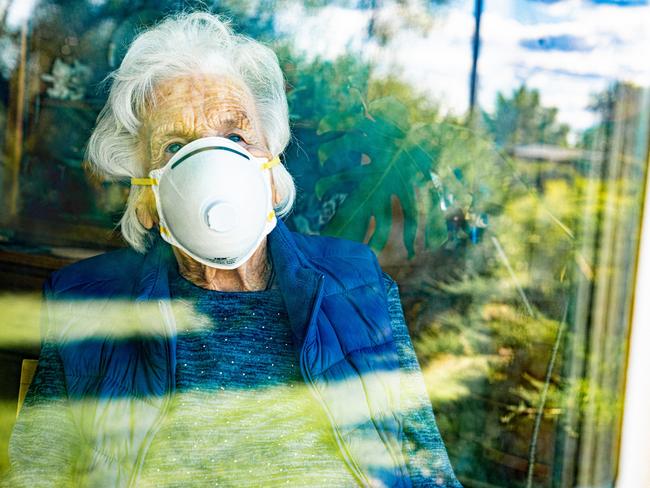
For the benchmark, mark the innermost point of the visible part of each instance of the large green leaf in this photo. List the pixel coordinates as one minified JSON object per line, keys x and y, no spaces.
{"x":394,"y":164}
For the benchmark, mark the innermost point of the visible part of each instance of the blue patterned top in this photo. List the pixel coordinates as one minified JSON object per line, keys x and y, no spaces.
{"x":242,"y":414}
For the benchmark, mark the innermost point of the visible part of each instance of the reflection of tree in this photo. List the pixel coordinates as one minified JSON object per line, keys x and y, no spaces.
{"x":69,"y":50}
{"x":485,"y":313}
{"x":521,"y":119}
{"x":366,"y":144}
{"x":375,"y":142}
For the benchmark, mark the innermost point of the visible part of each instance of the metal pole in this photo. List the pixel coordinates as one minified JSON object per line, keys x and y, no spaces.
{"x":476,"y":43}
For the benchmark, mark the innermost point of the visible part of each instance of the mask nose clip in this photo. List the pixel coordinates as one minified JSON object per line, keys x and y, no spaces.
{"x":221,"y":216}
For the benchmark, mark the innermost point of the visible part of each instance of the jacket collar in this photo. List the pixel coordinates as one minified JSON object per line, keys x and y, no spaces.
{"x":299,"y":282}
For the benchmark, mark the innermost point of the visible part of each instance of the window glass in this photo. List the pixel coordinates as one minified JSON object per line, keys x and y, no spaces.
{"x":492,"y":154}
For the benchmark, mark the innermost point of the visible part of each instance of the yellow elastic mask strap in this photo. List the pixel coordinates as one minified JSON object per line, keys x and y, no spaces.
{"x":270,"y":216}
{"x":144,"y":181}
{"x":273,"y":162}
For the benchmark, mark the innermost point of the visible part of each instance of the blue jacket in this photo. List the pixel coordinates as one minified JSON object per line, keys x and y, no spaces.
{"x":336,"y":301}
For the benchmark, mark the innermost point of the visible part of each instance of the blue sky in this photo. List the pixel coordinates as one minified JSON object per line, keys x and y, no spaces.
{"x":557,"y":42}
{"x":621,"y":3}
{"x":568,"y":49}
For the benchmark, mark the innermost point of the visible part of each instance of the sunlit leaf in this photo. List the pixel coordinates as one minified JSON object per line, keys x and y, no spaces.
{"x":396,"y":163}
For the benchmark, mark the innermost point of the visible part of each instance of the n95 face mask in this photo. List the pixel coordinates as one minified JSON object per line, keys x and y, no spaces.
{"x":214,"y":201}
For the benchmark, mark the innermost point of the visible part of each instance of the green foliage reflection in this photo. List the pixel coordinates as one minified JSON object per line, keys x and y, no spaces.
{"x":506,"y":227}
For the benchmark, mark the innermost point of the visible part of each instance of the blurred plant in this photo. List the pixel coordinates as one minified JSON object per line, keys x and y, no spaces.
{"x":521,"y":119}
{"x":438,"y":172}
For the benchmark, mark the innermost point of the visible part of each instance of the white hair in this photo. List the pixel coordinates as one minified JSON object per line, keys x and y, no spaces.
{"x":185,"y":44}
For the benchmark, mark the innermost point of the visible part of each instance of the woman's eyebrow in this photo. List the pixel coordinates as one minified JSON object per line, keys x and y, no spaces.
{"x":239,"y":120}
{"x":165,"y":132}
{"x":171,"y":130}
{"x":222,"y":121}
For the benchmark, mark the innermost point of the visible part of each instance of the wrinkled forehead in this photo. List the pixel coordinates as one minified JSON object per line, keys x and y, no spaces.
{"x":201,"y":96}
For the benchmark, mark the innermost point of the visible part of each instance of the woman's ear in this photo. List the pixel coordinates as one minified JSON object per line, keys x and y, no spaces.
{"x":145,"y":208}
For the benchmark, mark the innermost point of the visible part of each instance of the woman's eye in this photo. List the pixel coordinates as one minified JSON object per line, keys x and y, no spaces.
{"x":173,"y":148}
{"x":235,"y":137}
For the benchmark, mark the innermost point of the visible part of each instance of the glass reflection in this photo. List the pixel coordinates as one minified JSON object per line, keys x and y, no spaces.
{"x":512,"y":231}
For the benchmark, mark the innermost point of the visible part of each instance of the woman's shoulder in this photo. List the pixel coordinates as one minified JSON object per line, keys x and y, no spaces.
{"x":317,"y":246}
{"x":353,"y":263}
{"x":95,"y":275}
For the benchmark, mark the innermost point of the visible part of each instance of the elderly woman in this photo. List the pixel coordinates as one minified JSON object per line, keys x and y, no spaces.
{"x":220,"y":349}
